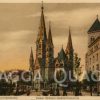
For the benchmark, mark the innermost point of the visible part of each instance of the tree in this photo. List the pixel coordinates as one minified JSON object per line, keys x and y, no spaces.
{"x":77,"y":73}
{"x":77,"y":64}
{"x":91,"y":81}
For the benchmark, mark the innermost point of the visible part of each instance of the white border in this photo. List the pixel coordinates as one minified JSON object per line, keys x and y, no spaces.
{"x":50,"y":1}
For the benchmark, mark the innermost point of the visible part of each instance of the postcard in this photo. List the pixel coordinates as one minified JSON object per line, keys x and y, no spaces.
{"x":49,"y":49}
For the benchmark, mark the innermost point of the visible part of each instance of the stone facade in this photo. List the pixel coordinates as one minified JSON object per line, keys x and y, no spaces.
{"x":93,"y":54}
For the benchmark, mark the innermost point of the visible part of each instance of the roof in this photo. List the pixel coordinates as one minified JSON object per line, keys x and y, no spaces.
{"x":49,"y":41}
{"x":95,"y":26}
{"x":62,"y":55}
{"x":69,"y":44}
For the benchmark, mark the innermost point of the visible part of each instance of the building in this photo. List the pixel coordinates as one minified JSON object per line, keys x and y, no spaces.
{"x":45,"y":63}
{"x":65,"y":57}
{"x":93,"y":53}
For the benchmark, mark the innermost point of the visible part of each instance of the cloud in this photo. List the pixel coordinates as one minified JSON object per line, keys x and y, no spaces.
{"x":19,"y":27}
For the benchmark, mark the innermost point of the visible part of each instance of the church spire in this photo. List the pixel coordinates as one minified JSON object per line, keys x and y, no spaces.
{"x":50,"y":36}
{"x":42,"y":26}
{"x":31,"y":60}
{"x":31,"y":55}
{"x":42,"y":6}
{"x":69,"y":44}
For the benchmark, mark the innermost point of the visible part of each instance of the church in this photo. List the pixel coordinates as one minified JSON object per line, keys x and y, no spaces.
{"x":44,"y":61}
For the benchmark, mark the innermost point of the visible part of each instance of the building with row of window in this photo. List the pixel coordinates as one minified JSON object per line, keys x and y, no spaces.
{"x":93,"y":53}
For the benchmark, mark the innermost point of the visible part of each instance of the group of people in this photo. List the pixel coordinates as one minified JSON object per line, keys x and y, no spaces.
{"x":58,"y":91}
{"x":55,"y":91}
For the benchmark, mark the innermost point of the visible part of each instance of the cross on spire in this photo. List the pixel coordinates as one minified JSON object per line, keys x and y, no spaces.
{"x":42,"y":27}
{"x":42,"y":6}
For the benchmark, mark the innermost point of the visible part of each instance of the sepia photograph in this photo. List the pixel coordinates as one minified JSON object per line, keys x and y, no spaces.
{"x":49,"y":49}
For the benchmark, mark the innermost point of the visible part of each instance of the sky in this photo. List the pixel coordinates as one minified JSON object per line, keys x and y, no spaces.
{"x":19,"y":24}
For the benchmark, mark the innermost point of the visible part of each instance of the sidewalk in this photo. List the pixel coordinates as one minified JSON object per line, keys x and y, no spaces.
{"x":39,"y":93}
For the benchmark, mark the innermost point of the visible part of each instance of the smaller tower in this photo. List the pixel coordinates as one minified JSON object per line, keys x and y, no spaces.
{"x":31,"y":61}
{"x":62,"y":58}
{"x":49,"y":49}
{"x":49,"y":56}
{"x":61,"y":62}
{"x":69,"y":48}
{"x":70,"y":53}
{"x":31,"y":68}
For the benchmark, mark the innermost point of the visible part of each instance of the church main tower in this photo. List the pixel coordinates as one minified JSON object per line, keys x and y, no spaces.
{"x":41,"y":42}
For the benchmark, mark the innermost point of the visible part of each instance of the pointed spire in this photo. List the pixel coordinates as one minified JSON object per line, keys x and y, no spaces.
{"x":61,"y":54}
{"x":31,"y":60}
{"x":62,"y":49}
{"x":42,"y":27}
{"x":69,"y":44}
{"x":50,"y":35}
{"x":42,"y":20}
{"x":42,"y":6}
{"x":31,"y":54}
